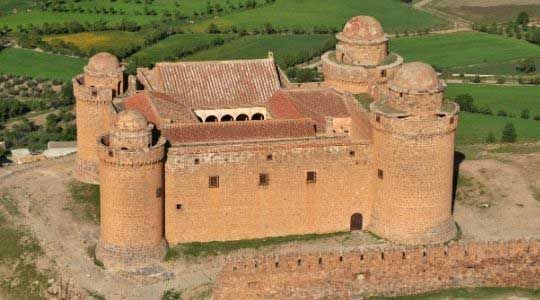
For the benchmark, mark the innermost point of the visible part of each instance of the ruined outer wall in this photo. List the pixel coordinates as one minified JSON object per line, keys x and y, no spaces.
{"x":92,"y":111}
{"x":132,"y":205}
{"x":241,"y":209}
{"x":412,"y":178}
{"x":382,"y":272}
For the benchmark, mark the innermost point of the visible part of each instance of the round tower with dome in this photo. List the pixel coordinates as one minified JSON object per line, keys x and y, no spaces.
{"x":361,"y":62}
{"x":131,"y":192}
{"x":94,"y":91}
{"x":413,"y":158}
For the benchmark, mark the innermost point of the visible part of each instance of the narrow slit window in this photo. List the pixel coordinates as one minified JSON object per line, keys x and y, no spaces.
{"x":264,"y":179}
{"x":159,"y":192}
{"x":213,"y":182}
{"x":380,"y":174}
{"x":311,"y":177}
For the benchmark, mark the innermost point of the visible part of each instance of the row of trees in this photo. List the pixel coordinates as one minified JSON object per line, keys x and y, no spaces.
{"x":508,"y":135}
{"x":269,"y":28}
{"x":466,"y":103}
{"x":518,"y":28}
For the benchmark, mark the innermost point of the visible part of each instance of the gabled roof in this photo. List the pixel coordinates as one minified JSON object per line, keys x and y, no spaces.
{"x":214,"y":84}
{"x":160,"y":109}
{"x":240,"y":131}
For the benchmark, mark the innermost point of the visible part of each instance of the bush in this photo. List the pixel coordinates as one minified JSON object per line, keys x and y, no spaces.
{"x":490,"y":139}
{"x":466,"y":102}
{"x":485,"y":110}
{"x":476,"y":79}
{"x":525,"y":114}
{"x":502,"y":113}
{"x":536,"y":118}
{"x":509,"y":134}
{"x":501,"y":80}
{"x":526,"y":66}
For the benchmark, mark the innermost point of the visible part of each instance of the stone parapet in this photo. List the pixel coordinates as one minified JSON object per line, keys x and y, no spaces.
{"x":152,"y":155}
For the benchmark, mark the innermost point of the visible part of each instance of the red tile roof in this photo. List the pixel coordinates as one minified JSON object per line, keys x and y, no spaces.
{"x":215,"y":84}
{"x":159,"y":108}
{"x":240,"y":131}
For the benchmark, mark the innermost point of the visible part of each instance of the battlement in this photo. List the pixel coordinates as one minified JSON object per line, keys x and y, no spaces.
{"x":389,"y":270}
{"x":151,"y":155}
{"x":91,"y":94}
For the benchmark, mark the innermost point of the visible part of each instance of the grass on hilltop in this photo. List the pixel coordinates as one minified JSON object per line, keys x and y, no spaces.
{"x":511,"y":99}
{"x":394,"y":15}
{"x":249,"y":47}
{"x":464,"y":50}
{"x":38,"y":64}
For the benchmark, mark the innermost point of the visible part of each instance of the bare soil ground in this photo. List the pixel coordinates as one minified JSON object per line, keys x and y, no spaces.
{"x":487,"y":11}
{"x":505,"y":182}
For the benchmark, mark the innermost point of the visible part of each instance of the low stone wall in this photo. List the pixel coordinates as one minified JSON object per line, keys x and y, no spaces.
{"x":389,"y":272}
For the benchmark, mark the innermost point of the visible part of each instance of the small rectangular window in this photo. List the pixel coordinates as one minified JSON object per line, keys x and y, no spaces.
{"x":264,"y":179}
{"x":380,"y":173}
{"x":213,"y":182}
{"x":178,"y":206}
{"x":383,"y":73}
{"x":159,"y":192}
{"x":378,"y":119}
{"x":311,"y":177}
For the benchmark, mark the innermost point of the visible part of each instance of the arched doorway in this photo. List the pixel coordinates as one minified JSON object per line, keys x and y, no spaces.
{"x":258,"y":117}
{"x":242,"y":117}
{"x":211,"y":119}
{"x":356,"y":221}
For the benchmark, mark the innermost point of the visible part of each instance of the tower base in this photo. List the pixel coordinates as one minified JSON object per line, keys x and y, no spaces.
{"x":439,"y":234}
{"x":125,"y":257}
{"x":86,"y":171}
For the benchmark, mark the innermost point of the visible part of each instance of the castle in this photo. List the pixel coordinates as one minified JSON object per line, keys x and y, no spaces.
{"x":231,"y":150}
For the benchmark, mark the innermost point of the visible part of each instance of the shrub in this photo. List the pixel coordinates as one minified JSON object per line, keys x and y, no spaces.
{"x":476,"y":79}
{"x":509,"y":134}
{"x":501,"y":80}
{"x":502,"y":113}
{"x":536,"y":118}
{"x":526,"y":66}
{"x":485,"y":110}
{"x":525,"y":114}
{"x":466,"y":102}
{"x":490,"y":139}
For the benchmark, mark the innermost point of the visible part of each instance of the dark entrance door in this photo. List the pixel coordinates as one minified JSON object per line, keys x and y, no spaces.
{"x":356,"y":221}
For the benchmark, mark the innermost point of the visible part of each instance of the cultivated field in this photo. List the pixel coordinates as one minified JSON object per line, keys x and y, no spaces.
{"x":465,"y":51}
{"x":511,"y":99}
{"x":285,"y":48}
{"x":175,"y":47}
{"x":307,"y":14}
{"x":474,"y":128}
{"x":488,"y":11}
{"x":37,"y":64}
{"x":115,"y":42}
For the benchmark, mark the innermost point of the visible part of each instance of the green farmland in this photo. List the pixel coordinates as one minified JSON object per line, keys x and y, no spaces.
{"x":465,"y":50}
{"x":474,"y":128}
{"x":37,"y":64}
{"x":394,"y":15}
{"x":284,"y":47}
{"x":174,"y":47}
{"x":511,"y":99}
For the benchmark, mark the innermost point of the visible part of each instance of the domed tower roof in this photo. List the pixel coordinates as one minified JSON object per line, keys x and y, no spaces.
{"x":103,"y":63}
{"x":416,"y":77}
{"x":131,"y":120}
{"x":363,"y":29}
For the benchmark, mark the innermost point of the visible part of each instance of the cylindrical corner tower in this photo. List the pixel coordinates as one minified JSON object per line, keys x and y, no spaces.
{"x":413,"y":161}
{"x":94,"y":91}
{"x":361,"y":62}
{"x":131,"y":176}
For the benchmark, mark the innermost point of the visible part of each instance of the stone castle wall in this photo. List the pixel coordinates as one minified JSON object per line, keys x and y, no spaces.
{"x":240,"y":208}
{"x":355,"y":273}
{"x":412,"y":173}
{"x":93,"y":111}
{"x":365,"y":55}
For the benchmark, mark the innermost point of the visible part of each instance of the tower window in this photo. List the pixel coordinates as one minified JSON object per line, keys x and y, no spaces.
{"x":401,"y":95}
{"x":378,"y":119}
{"x":264,"y":179}
{"x":352,"y":153}
{"x":311,"y":177}
{"x":380,"y":174}
{"x":159,"y":192}
{"x":213,"y":182}
{"x":197,"y":161}
{"x":178,"y":206}
{"x":269,"y":157}
{"x":383,"y":73}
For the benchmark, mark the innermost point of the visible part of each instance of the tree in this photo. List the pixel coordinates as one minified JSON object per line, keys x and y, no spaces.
{"x":523,"y":18}
{"x":465,"y":102}
{"x":509,"y":134}
{"x":525,"y":114}
{"x":526,"y":66}
{"x":213,"y":28}
{"x":490,"y":139}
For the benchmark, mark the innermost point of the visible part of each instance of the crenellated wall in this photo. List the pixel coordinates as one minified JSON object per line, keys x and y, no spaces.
{"x":390,"y":272}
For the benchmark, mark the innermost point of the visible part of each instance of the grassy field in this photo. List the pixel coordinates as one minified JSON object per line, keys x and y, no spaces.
{"x":307,"y":14}
{"x":258,"y":46}
{"x":36,"y":64}
{"x":464,"y":50}
{"x":488,"y":11}
{"x":474,"y":128}
{"x":109,"y":41}
{"x":133,"y":11}
{"x":173,"y":47}
{"x":511,"y":99}
{"x":472,"y":293}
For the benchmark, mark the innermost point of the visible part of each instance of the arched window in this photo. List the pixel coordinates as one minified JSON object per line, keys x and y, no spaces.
{"x":242,"y":117}
{"x":258,"y":117}
{"x":227,"y":118}
{"x":211,"y":119}
{"x":200,"y":120}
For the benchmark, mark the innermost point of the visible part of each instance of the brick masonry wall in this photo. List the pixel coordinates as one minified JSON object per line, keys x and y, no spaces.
{"x":365,"y":55}
{"x":412,"y":179}
{"x":390,"y":272}
{"x":241,"y":209}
